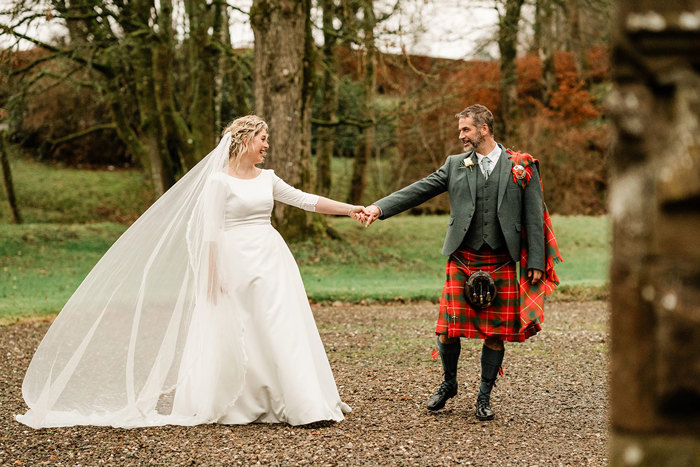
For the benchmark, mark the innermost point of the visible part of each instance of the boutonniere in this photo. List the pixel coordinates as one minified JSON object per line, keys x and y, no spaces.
{"x":468,"y":162}
{"x":522,"y":167}
{"x":518,"y":172}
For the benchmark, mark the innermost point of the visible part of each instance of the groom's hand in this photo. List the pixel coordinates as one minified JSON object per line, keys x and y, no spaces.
{"x":534,"y":275}
{"x":372,"y":213}
{"x":357,"y":213}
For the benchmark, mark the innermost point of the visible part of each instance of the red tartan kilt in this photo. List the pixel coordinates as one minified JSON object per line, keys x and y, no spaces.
{"x":501,"y":319}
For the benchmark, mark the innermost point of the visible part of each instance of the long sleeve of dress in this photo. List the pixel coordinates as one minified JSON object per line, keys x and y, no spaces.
{"x":287,"y":194}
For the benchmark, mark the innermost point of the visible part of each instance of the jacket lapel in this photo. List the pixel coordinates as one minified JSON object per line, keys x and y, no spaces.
{"x":471,"y":176}
{"x":504,"y":174}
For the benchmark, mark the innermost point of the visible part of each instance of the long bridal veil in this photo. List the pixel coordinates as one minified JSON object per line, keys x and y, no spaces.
{"x":130,"y":347}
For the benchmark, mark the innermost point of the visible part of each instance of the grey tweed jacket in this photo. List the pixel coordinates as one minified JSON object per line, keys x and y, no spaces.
{"x":517,"y":207}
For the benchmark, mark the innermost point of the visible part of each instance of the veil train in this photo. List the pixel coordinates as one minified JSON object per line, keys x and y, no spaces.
{"x":148,"y":309}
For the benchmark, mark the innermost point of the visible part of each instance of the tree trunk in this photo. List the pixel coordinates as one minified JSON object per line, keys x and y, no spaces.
{"x":133,"y":48}
{"x":128,"y":133}
{"x":329,"y":100}
{"x":307,"y":98}
{"x":224,"y":66}
{"x":238,"y":92}
{"x":9,"y":187}
{"x":204,"y":60}
{"x":151,"y":131}
{"x":537,"y":27}
{"x":573,"y":10}
{"x":545,"y":45}
{"x":282,"y":91}
{"x":178,"y":138}
{"x":147,"y":140}
{"x":655,"y":209}
{"x":508,"y":90}
{"x":369,"y":81}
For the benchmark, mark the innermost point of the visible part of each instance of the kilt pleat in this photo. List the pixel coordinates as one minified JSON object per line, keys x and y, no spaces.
{"x":501,"y":319}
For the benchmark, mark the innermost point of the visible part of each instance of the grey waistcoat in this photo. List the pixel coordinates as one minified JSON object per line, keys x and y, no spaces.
{"x":484,"y":227}
{"x":518,"y":208}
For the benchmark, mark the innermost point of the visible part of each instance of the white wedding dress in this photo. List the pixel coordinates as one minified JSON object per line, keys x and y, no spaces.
{"x":197,"y":314}
{"x":287,"y":375}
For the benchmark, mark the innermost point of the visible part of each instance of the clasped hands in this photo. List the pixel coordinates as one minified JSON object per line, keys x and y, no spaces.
{"x":365,"y":215}
{"x":369,"y":214}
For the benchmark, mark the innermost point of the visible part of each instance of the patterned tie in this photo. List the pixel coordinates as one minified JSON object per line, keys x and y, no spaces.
{"x":485,"y":162}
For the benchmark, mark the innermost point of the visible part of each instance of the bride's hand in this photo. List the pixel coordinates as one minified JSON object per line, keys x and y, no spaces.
{"x":212,"y":294}
{"x":215,"y":291}
{"x":357,"y":213}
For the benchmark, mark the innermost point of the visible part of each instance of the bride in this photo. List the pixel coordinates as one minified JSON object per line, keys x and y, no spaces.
{"x":197,"y":314}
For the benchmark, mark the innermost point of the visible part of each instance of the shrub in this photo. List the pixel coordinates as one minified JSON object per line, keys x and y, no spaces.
{"x":51,"y":102}
{"x":573,"y":160}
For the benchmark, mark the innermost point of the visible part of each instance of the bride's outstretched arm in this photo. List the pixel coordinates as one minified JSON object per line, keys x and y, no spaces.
{"x":329,"y":206}
{"x":289,"y":195}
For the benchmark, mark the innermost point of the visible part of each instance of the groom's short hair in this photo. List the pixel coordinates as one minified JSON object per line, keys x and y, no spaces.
{"x":480,"y":116}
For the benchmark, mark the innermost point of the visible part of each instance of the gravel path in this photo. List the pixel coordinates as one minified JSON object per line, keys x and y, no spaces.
{"x":551,"y":405}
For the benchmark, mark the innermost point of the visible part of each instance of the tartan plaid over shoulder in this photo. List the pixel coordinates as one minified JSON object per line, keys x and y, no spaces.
{"x":531,"y":297}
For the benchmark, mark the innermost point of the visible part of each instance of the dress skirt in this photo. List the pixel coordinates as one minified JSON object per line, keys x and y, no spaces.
{"x":287,"y":376}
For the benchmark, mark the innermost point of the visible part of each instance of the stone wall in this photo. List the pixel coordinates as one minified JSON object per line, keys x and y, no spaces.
{"x":655,"y":208}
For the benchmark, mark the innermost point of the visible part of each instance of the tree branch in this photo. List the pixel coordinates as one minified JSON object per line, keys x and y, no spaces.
{"x":67,"y":77}
{"x":235,"y":8}
{"x":27,"y":19}
{"x":42,"y":74}
{"x":104,"y":69}
{"x":81,"y":133}
{"x":33,"y":64}
{"x":343,"y":121}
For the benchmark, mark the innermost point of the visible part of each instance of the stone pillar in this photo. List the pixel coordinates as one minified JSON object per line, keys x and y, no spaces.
{"x":655,"y":209}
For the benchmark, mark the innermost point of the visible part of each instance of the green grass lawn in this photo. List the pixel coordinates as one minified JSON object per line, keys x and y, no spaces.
{"x":64,"y":195}
{"x":55,"y":194}
{"x":400,"y":259}
{"x":42,"y":264}
{"x":379,"y":179}
{"x":72,"y":216}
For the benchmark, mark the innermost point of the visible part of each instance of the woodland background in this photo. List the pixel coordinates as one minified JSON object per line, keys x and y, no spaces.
{"x":112,"y":109}
{"x":147,"y":86}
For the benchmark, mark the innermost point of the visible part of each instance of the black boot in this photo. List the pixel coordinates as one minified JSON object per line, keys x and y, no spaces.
{"x":449,"y":354}
{"x":490,"y":363}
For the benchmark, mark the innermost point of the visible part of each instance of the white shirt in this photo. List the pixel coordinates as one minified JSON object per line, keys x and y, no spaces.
{"x":492,"y":157}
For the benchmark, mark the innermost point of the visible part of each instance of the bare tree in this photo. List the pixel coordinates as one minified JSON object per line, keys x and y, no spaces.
{"x":128,"y":51}
{"x":507,"y":44}
{"x":567,"y":25}
{"x":329,"y":96}
{"x":369,"y":84}
{"x":545,"y":43}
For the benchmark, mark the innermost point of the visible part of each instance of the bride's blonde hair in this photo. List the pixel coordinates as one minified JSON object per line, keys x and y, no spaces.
{"x":242,"y":130}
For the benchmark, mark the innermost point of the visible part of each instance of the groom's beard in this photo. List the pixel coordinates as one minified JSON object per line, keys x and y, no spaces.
{"x":472,"y":144}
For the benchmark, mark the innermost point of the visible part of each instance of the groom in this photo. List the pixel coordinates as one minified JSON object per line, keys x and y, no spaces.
{"x":491,"y":202}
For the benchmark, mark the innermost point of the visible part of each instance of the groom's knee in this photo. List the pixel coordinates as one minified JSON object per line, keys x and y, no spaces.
{"x":494,"y":343}
{"x":444,"y":339}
